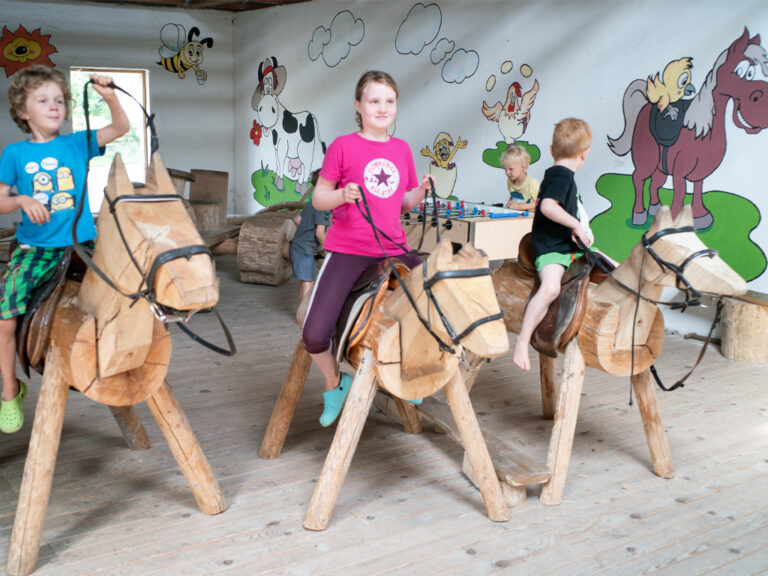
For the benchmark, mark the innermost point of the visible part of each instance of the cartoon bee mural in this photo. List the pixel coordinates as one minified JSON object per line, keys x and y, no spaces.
{"x":180,"y":52}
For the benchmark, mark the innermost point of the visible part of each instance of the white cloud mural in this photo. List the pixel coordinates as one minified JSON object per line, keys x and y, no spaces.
{"x":419,"y":28}
{"x":460,"y":66}
{"x":334,"y":43}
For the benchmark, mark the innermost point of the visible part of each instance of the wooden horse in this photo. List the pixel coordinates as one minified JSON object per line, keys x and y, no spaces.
{"x":609,"y":340}
{"x":114,"y":350}
{"x":399,"y":354}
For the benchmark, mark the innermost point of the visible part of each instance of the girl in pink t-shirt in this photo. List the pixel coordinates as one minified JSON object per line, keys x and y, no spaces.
{"x":383,"y":167}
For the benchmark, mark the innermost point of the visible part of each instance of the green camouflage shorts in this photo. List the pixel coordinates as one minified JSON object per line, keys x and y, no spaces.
{"x":29,"y":267}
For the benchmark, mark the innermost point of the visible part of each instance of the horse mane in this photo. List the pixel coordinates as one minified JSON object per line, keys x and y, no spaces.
{"x":758,"y":55}
{"x":701,"y":112}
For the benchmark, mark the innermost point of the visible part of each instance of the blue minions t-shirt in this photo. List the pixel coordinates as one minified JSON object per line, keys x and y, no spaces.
{"x":53,"y":173}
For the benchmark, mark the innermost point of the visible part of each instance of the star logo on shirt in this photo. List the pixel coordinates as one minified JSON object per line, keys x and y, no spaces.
{"x":382,"y":179}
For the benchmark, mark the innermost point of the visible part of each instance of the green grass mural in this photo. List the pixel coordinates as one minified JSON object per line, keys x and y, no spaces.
{"x":734,"y":218}
{"x":266,"y":193}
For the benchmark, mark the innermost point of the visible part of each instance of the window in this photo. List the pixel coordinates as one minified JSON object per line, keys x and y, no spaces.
{"x":134,"y":146}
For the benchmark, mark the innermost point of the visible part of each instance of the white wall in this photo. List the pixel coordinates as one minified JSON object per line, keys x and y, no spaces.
{"x":194,"y":122}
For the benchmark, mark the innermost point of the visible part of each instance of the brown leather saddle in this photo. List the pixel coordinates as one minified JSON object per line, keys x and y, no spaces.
{"x":361,"y":304}
{"x":34,"y":327}
{"x":563,"y":318}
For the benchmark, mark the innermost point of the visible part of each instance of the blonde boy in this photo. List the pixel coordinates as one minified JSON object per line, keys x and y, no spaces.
{"x":556,"y":226}
{"x":521,"y":185}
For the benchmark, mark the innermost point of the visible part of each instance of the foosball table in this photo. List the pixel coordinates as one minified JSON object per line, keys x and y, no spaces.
{"x":494,"y":229}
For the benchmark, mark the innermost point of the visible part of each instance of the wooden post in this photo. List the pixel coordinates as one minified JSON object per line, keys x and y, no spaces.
{"x":342,"y":449}
{"x":38,"y":468}
{"x":285,"y":406}
{"x":548,"y":377}
{"x":186,"y":449}
{"x":744,"y":326}
{"x":564,"y":428}
{"x":133,"y":431}
{"x":484,"y":475}
{"x":661,"y":456}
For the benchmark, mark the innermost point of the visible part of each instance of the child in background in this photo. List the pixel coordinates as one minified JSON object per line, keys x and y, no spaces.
{"x":556,"y":226}
{"x":373,"y":163}
{"x":522,"y":186}
{"x":307,"y":242}
{"x":49,"y":171}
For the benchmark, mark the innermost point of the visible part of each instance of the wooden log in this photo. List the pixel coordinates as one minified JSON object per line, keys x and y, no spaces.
{"x":475,"y":449}
{"x":190,"y":210}
{"x":207,"y":215}
{"x":285,"y":406}
{"x":661,"y":456}
{"x":744,"y":328}
{"x":211,"y":186}
{"x":260,"y":248}
{"x":564,"y":428}
{"x":38,"y":469}
{"x":186,"y":450}
{"x":548,"y":379}
{"x":228,"y":246}
{"x":340,"y":454}
{"x":130,"y":425}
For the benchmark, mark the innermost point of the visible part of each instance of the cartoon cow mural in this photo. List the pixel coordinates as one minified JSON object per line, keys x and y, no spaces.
{"x":295,"y":135}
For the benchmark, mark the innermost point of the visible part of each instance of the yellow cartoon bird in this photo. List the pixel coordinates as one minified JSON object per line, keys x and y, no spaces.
{"x":441,"y":166}
{"x":674,"y":84}
{"x":64,"y":179}
{"x":42,"y":182}
{"x":62,"y":201}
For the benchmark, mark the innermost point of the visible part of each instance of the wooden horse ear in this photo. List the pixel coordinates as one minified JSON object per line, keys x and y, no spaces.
{"x":685,"y":217}
{"x":118,"y":182}
{"x":662,"y":220}
{"x":158,"y":179}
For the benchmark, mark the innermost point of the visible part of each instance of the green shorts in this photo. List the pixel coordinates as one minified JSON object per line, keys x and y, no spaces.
{"x":565,"y":260}
{"x":29,"y":267}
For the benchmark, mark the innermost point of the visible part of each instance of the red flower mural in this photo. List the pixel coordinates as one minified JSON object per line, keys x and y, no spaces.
{"x":256,"y":133}
{"x":21,"y":49}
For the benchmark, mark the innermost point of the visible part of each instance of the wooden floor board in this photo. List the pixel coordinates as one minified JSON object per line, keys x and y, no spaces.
{"x":405,"y":507}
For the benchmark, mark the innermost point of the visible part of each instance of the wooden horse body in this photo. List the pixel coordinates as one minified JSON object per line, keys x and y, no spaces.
{"x":399,"y":354}
{"x":620,"y":334}
{"x":114,"y":350}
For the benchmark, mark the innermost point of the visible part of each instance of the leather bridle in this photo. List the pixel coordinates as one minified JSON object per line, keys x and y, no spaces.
{"x":146,"y":290}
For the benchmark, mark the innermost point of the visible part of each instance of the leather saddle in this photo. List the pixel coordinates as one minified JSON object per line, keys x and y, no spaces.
{"x":34,"y":327}
{"x":563,"y":318}
{"x":360,"y":306}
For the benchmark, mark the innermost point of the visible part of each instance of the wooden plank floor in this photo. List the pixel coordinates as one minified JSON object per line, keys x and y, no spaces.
{"x":405,"y":507}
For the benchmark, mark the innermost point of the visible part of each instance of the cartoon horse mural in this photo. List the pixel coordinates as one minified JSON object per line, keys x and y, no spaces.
{"x":700,"y":146}
{"x":295,"y":135}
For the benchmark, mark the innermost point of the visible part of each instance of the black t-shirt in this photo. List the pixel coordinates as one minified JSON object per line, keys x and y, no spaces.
{"x":547,"y":235}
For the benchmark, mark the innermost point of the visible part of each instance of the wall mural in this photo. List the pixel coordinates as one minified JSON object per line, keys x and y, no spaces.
{"x":335,"y":43}
{"x":295,"y":137}
{"x":420,"y":28}
{"x":672,"y":130}
{"x":20,"y":49}
{"x":181,"y":52}
{"x":441,"y":167}
{"x":513,"y":115}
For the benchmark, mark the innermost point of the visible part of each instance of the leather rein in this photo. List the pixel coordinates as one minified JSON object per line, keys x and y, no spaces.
{"x":692,"y":296}
{"x":428,"y":282}
{"x":146,"y":290}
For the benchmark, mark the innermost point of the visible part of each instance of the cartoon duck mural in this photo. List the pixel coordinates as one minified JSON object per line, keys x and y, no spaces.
{"x":513,"y":115}
{"x":441,"y":166}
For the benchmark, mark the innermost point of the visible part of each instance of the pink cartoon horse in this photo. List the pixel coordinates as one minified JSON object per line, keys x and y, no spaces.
{"x":738,"y":75}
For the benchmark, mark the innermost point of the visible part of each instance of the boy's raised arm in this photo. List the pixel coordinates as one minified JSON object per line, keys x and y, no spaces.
{"x":120,"y":123}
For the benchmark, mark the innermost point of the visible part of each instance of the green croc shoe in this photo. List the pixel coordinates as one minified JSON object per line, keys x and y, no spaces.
{"x":12,"y":412}
{"x":334,"y":400}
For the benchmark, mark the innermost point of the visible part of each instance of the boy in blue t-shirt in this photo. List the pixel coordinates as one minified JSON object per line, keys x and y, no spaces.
{"x":49,"y":172}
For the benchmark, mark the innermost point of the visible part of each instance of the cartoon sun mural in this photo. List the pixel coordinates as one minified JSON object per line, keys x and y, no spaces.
{"x":20,"y":49}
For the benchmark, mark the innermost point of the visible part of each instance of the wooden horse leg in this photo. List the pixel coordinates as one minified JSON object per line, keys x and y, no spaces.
{"x":483,"y":473}
{"x":38,"y":468}
{"x":186,"y":449}
{"x":342,"y":449}
{"x":548,"y":377}
{"x":661,"y":455}
{"x":130,"y":425}
{"x":564,"y":427}
{"x":285,"y":406}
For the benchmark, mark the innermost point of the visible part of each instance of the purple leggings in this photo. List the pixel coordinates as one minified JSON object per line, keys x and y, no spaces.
{"x":334,"y":283}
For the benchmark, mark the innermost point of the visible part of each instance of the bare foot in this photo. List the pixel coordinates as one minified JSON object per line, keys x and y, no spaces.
{"x":520,"y":356}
